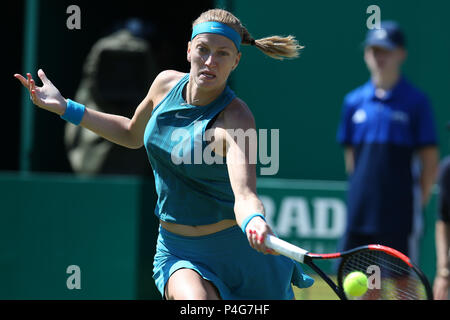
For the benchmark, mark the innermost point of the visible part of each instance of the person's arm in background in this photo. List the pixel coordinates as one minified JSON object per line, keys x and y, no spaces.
{"x":441,"y":281}
{"x":344,"y":136}
{"x":429,"y":156}
{"x":349,"y":158}
{"x":442,"y":233}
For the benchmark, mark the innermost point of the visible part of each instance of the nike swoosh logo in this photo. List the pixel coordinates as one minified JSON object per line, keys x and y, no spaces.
{"x":216,"y":28}
{"x":180,"y":116}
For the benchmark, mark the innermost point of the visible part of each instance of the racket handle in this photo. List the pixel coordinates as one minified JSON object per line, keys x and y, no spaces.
{"x":285,"y":248}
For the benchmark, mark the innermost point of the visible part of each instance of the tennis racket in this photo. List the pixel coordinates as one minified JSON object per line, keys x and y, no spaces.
{"x":391,"y":274}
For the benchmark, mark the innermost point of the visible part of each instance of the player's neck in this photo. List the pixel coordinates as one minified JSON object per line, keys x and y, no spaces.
{"x":198,"y":97}
{"x":385,"y":81}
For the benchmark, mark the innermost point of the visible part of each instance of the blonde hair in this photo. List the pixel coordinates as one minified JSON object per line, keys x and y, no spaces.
{"x":276,"y":47}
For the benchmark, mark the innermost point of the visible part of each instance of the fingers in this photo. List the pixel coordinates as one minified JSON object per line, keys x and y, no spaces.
{"x":28,"y":83}
{"x":257,"y":241}
{"x":32,"y":85}
{"x":33,"y":96}
{"x":22,"y":80}
{"x":43,"y":77}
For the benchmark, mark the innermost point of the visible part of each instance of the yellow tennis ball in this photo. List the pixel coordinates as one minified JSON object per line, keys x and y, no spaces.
{"x":355,"y":284}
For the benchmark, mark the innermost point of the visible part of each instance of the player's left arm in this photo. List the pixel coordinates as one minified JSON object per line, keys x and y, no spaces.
{"x":429,"y":157}
{"x":240,"y":137}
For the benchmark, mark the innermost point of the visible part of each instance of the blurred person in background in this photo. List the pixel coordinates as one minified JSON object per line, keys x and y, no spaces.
{"x":388,"y":134}
{"x":441,"y":281}
{"x":128,"y":52}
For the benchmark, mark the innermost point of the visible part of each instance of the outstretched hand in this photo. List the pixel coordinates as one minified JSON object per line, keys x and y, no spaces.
{"x":46,"y":97}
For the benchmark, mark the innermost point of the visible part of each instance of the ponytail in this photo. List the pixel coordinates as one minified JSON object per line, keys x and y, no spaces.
{"x":276,"y":47}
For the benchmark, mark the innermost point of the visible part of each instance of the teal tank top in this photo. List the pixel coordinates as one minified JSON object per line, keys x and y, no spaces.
{"x":191,"y":190}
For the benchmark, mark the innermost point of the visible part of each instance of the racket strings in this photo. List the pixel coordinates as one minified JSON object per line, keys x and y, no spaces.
{"x":395,"y":279}
{"x":403,"y":282}
{"x":380,"y":258}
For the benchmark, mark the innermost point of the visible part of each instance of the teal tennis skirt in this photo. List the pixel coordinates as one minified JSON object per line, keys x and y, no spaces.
{"x":226,"y":259}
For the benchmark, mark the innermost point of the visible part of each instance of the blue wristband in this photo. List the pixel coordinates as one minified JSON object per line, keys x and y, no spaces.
{"x":74,"y":112}
{"x":250,"y":217}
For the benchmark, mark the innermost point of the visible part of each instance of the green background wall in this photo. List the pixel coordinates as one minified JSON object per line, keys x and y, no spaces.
{"x":103,"y":225}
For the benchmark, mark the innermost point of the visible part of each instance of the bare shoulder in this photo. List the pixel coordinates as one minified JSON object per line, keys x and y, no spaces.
{"x":237,"y":115}
{"x":163,"y":82}
{"x":168,"y":76}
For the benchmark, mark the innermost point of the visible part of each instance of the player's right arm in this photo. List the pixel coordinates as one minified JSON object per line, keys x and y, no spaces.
{"x":115,"y":128}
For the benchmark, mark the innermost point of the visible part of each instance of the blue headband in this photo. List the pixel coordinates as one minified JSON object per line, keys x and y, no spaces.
{"x":217,"y":28}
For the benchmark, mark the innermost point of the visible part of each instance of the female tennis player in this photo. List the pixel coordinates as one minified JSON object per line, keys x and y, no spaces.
{"x":211,"y":218}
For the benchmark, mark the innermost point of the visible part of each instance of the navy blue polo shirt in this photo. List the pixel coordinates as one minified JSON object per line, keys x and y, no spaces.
{"x":444,"y":190}
{"x":384,"y":134}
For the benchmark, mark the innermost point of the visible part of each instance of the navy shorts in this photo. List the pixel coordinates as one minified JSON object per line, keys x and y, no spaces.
{"x":226,"y":259}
